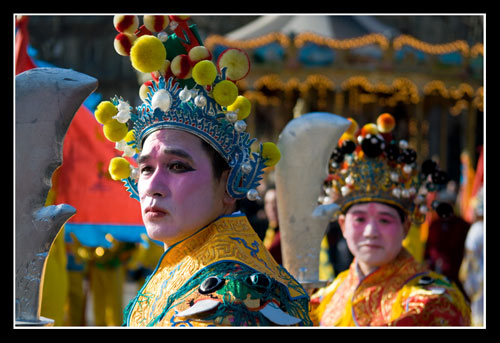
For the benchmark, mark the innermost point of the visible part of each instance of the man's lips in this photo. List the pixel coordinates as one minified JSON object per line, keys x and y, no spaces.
{"x":370,"y":245}
{"x":155,"y":211}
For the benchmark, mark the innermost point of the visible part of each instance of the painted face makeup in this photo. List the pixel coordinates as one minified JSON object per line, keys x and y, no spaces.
{"x":374,"y":233}
{"x":178,"y":192}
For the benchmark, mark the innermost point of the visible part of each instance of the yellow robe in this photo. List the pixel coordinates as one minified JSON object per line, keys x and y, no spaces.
{"x":221,"y":275}
{"x":401,"y":293}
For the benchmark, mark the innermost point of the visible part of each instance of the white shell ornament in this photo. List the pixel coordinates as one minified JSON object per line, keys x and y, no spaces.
{"x":162,"y":100}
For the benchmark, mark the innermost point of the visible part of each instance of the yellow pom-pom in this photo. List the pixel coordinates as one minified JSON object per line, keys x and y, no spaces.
{"x":129,"y":137}
{"x":271,"y":153}
{"x":369,"y":128}
{"x":104,"y":111}
{"x":119,"y":168}
{"x":148,"y":54}
{"x":204,"y":73}
{"x":225,"y":92}
{"x":346,"y":136}
{"x":354,"y":126}
{"x":115,"y":131}
{"x":242,"y":105}
{"x":386,"y":123}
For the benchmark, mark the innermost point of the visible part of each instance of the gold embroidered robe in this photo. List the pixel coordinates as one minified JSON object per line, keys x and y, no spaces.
{"x":221,"y":275}
{"x":401,"y":293}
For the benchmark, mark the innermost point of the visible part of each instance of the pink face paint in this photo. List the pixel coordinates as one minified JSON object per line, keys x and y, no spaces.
{"x":177,"y":189}
{"x":374,"y":234}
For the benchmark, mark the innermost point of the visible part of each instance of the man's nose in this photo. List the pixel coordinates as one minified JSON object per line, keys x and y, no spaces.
{"x":156,"y":184}
{"x":370,"y":229}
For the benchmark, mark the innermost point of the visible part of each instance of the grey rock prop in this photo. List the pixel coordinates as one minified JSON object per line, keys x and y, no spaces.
{"x":46,"y":100}
{"x":306,"y":144}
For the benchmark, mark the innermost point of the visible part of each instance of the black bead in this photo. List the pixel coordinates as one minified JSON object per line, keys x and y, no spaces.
{"x":211,"y":284}
{"x":439,"y":177}
{"x":337,"y":155}
{"x":392,"y":152}
{"x":348,"y":147}
{"x":372,"y":146}
{"x":428,"y":167}
{"x":444,"y":210}
{"x":408,"y":156}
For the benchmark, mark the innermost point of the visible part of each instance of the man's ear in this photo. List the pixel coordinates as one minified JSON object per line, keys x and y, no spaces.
{"x":228,"y":200}
{"x":341,"y":220}
{"x":406,"y":226}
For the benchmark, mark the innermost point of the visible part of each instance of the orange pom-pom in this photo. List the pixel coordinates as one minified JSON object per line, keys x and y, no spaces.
{"x":385,"y":123}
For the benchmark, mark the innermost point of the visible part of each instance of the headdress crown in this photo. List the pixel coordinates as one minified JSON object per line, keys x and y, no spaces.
{"x":188,"y":92}
{"x":370,"y":165}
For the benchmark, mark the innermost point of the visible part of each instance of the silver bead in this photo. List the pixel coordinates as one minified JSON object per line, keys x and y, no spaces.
{"x":396,"y":192}
{"x":163,"y":36}
{"x":134,"y":173}
{"x":394,"y":177}
{"x":405,"y":193}
{"x":345,"y":190}
{"x":246,"y":167}
{"x":231,"y":116}
{"x":240,"y":126}
{"x":200,"y":101}
{"x":403,"y":144}
{"x":407,"y":169}
{"x":185,"y":94}
{"x":253,"y":195}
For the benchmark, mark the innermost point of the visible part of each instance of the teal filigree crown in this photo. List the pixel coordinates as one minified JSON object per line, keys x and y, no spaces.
{"x":187,"y":92}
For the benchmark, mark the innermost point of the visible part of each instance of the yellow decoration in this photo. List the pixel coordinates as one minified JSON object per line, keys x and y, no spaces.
{"x":119,"y":168}
{"x":114,"y":131}
{"x":204,"y":73}
{"x":104,"y":111}
{"x":225,"y":93}
{"x":346,"y":136}
{"x":369,"y":128}
{"x":354,"y":126}
{"x":129,"y":137}
{"x":242,"y":105}
{"x":270,"y":152}
{"x":148,"y":54}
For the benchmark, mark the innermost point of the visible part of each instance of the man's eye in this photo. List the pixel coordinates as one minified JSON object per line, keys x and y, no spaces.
{"x":359,"y":219}
{"x":179,"y":167}
{"x":146,"y":170}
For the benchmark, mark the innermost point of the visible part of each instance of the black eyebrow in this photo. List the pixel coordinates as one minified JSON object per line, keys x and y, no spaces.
{"x":168,"y":151}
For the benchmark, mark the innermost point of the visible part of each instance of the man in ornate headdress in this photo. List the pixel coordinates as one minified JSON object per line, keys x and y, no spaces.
{"x":194,"y":162}
{"x":379,"y":191}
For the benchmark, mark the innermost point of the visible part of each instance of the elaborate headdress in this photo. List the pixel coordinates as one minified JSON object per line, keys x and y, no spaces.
{"x":187,"y":92}
{"x":371,"y":165}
